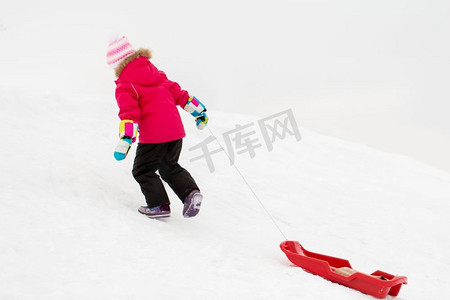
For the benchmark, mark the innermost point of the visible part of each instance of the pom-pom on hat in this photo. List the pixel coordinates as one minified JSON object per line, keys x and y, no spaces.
{"x":119,"y":48}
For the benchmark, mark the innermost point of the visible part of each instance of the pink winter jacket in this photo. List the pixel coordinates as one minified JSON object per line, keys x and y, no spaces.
{"x":146,"y":96}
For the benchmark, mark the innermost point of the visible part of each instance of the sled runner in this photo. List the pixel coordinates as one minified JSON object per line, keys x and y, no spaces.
{"x":378,"y":284}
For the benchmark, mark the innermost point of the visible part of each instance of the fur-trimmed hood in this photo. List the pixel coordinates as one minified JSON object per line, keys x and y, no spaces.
{"x":141,"y":52}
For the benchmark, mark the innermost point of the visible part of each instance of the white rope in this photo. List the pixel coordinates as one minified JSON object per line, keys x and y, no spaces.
{"x":248,"y":185}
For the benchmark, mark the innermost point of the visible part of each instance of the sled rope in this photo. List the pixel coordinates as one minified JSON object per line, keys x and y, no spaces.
{"x":248,"y":185}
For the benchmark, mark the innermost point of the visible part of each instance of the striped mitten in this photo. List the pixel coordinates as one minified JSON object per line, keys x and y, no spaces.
{"x":198,"y":111}
{"x":128,"y":131}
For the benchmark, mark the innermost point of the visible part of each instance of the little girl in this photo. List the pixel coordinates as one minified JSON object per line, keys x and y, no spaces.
{"x":147,"y":103}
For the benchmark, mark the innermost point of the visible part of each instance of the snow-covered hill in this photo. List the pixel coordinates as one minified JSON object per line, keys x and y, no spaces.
{"x":69,"y":227}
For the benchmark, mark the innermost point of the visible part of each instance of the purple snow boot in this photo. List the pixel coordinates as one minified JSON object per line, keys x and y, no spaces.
{"x":192,"y":204}
{"x":162,"y":211}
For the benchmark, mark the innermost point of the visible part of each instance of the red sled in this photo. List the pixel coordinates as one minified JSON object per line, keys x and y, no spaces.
{"x":378,"y":284}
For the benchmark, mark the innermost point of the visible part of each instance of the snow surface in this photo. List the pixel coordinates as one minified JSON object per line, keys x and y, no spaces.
{"x":69,"y":226}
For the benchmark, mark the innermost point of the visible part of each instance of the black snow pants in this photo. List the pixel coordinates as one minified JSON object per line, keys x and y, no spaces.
{"x":161,"y":157}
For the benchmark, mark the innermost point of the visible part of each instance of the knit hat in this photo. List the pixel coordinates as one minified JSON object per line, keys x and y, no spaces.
{"x":118,"y":49}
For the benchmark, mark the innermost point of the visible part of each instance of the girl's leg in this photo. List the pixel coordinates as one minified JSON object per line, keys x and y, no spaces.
{"x":176,"y":176}
{"x":148,"y":160}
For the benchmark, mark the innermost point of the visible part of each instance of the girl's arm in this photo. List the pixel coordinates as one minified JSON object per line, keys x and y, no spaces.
{"x":127,"y":99}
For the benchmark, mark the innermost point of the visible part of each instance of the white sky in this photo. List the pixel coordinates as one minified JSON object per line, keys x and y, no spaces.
{"x":372,"y":72}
